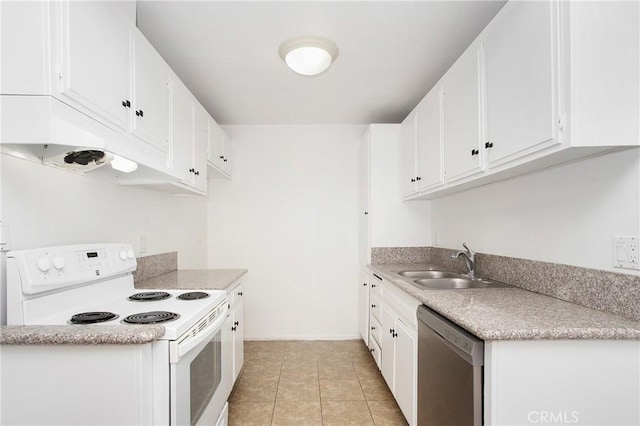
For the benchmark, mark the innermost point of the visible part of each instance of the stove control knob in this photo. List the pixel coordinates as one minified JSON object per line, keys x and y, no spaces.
{"x":58,"y":263}
{"x":130,"y":254}
{"x":44,"y":264}
{"x":123,"y":254}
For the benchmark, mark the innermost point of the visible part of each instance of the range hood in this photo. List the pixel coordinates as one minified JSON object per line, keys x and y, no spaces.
{"x":45,"y":130}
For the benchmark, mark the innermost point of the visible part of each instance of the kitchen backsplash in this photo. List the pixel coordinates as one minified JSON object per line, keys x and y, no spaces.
{"x":400,"y":254}
{"x":154,"y":265}
{"x":608,"y":291}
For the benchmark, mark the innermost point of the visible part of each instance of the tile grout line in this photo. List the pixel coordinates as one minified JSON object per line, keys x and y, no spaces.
{"x":363,"y":394}
{"x":275,"y":398}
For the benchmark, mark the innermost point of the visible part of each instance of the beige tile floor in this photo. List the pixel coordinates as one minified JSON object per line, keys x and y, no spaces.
{"x":307,"y":383}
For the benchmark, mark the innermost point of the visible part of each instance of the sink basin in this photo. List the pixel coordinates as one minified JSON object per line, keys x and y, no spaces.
{"x":430,"y":274}
{"x":458,"y":282}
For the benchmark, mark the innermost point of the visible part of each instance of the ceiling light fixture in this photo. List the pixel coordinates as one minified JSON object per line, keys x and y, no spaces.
{"x":308,"y":55}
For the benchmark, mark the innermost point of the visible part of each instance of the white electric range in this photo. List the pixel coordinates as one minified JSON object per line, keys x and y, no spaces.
{"x":179,"y":379}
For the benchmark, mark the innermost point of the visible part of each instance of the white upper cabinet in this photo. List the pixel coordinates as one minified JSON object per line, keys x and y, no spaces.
{"x":150,"y":93}
{"x":408,"y":155}
{"x":534,"y":90}
{"x":462,"y":100}
{"x":93,"y":59}
{"x":219,"y":151}
{"x":189,"y":134}
{"x":430,"y":152}
{"x":521,"y":51}
{"x":200,"y":141}
{"x":182,"y":118}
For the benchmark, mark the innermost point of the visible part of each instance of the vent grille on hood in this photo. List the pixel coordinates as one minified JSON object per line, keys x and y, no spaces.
{"x":85,"y":157}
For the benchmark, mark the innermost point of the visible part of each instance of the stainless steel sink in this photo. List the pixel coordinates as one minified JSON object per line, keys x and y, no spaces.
{"x":460,"y":282}
{"x":429,"y":274}
{"x":434,"y":279}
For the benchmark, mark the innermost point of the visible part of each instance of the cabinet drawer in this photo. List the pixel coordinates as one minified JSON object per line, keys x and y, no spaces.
{"x":376,"y":285}
{"x":374,"y":348}
{"x":375,"y":329}
{"x":375,"y":307}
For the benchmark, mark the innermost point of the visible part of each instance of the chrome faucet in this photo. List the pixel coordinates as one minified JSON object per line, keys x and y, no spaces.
{"x":469,"y":257}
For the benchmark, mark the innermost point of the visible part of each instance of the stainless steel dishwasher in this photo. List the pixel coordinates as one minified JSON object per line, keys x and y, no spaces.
{"x":450,"y":369}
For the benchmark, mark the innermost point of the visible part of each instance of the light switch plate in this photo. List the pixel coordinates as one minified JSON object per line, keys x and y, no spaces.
{"x":626,"y":251}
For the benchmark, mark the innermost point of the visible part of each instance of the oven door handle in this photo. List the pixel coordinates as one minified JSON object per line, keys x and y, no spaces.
{"x":178,"y":350}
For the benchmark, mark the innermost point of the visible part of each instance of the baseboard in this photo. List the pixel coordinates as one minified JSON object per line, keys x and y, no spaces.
{"x":305,"y":337}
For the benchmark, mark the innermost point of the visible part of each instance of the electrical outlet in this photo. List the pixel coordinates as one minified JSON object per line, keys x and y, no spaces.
{"x":626,"y":252}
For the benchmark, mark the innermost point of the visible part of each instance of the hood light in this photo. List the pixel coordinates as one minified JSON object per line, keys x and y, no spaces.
{"x":123,"y":165}
{"x":308,"y":55}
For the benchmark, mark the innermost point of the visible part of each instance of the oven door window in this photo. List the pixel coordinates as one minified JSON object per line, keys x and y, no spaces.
{"x":197,"y":393}
{"x":205,"y":374}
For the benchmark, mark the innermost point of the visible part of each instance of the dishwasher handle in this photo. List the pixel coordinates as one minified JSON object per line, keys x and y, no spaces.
{"x":458,"y":339}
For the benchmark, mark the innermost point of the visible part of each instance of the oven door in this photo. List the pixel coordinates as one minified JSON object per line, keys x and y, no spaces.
{"x":198,"y":393}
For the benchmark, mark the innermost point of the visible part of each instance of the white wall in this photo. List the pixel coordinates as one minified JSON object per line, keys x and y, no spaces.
{"x":44,"y":206}
{"x":290,"y":217}
{"x":568,"y":214}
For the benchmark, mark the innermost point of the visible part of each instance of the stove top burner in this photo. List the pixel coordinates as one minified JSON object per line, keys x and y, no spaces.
{"x":193,"y":295}
{"x":92,"y":317}
{"x":149,"y":296}
{"x":153,"y":317}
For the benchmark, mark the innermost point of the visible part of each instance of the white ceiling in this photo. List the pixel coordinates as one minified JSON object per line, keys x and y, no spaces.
{"x":391,"y":54}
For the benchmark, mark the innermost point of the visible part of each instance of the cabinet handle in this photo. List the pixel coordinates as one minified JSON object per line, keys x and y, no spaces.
{"x":394,"y":334}
{"x":488,"y":145}
{"x":366,"y":212}
{"x":126,"y":104}
{"x":222,"y":157}
{"x":239,"y":293}
{"x":373,"y":328}
{"x":236,"y":323}
{"x":371,"y":350}
{"x":233,"y":328}
{"x":197,"y":173}
{"x":140,"y":113}
{"x":225,"y":160}
{"x":418,"y":178}
{"x":413,"y":180}
{"x":474,"y":152}
{"x":373,"y":286}
{"x":373,"y":306}
{"x":391,"y":330}
{"x":364,"y":284}
{"x":192,"y":170}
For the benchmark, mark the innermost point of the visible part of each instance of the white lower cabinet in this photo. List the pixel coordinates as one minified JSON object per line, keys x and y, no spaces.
{"x":393,"y":340}
{"x":236,"y":325}
{"x":399,"y":355}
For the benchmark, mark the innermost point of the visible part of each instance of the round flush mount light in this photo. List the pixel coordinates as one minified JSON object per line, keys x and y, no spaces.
{"x":308,"y":55}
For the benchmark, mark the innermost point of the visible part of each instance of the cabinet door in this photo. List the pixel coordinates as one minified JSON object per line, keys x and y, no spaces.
{"x":363,"y":306}
{"x":408,"y":130}
{"x":405,"y":371}
{"x":238,"y":338}
{"x":227,"y":152}
{"x":182,"y":131}
{"x":463,"y":150}
{"x":150,"y":93}
{"x":215,"y":155}
{"x":388,"y":345}
{"x":522,"y":80}
{"x":430,"y":171}
{"x":200,"y":135}
{"x":364,"y":214}
{"x":227,"y":356}
{"x":94,"y":59}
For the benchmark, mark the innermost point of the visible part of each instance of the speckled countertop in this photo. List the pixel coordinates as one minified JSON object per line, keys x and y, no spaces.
{"x":514,"y":313}
{"x":193,"y":279}
{"x":79,"y":335}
